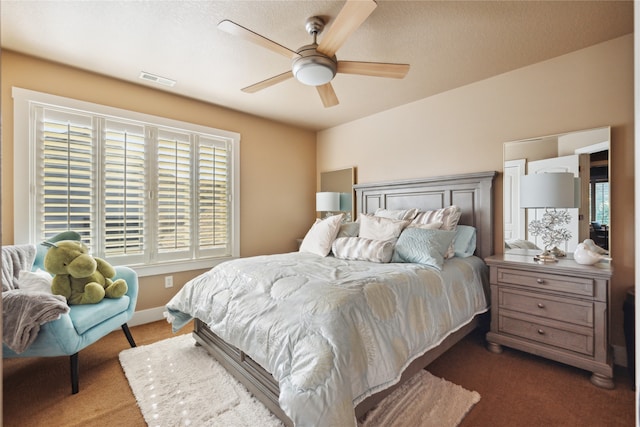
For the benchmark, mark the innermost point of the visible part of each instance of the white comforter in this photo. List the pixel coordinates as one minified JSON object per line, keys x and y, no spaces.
{"x":332,"y":332}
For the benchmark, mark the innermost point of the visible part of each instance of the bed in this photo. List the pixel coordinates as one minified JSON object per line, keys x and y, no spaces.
{"x":322,"y":360}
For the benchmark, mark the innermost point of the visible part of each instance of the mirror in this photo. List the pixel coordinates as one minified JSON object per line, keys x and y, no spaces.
{"x":585,"y":153}
{"x":341,"y":181}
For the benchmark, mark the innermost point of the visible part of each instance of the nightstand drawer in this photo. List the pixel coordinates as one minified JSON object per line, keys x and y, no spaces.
{"x":577,"y":340}
{"x":550,"y":282}
{"x":548,"y":306}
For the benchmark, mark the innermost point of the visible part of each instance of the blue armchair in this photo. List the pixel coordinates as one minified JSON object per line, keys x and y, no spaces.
{"x":83,"y":324}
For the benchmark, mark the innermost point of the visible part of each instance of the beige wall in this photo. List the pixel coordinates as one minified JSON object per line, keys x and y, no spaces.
{"x":463,"y":130}
{"x":277,"y":172}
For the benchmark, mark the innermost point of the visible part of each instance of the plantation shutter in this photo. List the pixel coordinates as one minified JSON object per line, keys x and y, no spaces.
{"x":214,"y":184}
{"x":66,"y":173}
{"x":174,"y":210}
{"x":124,"y":190}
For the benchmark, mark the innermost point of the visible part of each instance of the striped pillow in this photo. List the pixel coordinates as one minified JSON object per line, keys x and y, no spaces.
{"x":448,"y":216}
{"x":362,"y":249}
{"x":397,"y":213}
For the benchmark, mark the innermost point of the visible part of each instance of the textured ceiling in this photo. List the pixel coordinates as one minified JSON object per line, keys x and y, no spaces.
{"x":447,"y":43}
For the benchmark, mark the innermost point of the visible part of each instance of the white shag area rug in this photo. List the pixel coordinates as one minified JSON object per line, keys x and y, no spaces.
{"x":426,"y":401}
{"x":177,"y":383}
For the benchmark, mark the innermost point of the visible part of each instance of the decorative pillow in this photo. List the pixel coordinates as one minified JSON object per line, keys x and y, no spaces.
{"x":38,"y":280}
{"x":361,"y":249}
{"x":431,"y":226}
{"x":448,"y":216}
{"x":464,"y":241}
{"x":423,"y":246}
{"x":349,"y":229}
{"x":397,"y":213}
{"x":379,"y":228}
{"x":321,"y":235}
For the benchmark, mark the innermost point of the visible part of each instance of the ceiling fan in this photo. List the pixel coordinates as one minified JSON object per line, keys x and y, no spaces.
{"x":316,"y":64}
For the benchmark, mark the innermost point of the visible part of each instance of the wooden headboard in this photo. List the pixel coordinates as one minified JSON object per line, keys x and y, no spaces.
{"x":472,"y":192}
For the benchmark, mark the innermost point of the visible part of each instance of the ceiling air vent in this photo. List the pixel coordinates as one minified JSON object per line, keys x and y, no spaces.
{"x":157,"y":79}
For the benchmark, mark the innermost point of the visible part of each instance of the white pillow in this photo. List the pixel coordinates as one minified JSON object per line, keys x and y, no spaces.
{"x":38,"y":280}
{"x":321,"y":235}
{"x":380,"y":228}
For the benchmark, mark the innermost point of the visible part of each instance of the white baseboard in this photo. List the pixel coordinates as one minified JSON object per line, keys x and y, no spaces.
{"x":147,"y":316}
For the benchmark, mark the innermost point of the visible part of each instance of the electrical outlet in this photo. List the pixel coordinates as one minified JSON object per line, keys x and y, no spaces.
{"x":168,"y":281}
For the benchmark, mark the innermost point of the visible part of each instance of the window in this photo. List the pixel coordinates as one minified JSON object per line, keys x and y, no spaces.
{"x":141,"y":190}
{"x":600,"y":202}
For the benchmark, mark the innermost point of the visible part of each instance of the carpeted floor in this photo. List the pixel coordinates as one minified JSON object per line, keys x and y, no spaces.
{"x":517,"y":389}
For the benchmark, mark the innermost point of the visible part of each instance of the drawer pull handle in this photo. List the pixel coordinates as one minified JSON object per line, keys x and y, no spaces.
{"x":540,"y":305}
{"x":540,"y":281}
{"x":540,"y":331}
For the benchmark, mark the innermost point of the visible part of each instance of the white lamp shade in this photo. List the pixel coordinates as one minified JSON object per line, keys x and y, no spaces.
{"x":328,"y":201}
{"x":548,"y":190}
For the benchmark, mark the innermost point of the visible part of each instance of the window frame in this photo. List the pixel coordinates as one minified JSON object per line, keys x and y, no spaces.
{"x":24,"y":170}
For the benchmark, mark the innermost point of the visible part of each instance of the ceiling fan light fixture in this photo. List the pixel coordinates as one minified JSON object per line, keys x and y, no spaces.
{"x":314,"y":74}
{"x":313,"y":68}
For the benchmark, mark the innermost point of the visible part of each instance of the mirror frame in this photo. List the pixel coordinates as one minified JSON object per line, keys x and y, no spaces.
{"x":517,"y":155}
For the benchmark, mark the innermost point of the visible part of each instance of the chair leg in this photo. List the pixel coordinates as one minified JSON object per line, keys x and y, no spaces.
{"x":127,"y":333}
{"x":74,"y":373}
{"x":74,"y":360}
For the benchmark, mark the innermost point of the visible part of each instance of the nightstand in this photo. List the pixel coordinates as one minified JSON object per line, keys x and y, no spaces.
{"x":559,"y":311}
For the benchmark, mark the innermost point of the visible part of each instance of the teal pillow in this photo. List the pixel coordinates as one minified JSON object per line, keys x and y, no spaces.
{"x":423,"y":246}
{"x":464,"y":243}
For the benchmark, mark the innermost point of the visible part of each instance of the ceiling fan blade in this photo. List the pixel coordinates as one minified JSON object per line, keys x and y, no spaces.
{"x":244,"y":33}
{"x":268,"y":82}
{"x":352,"y":15}
{"x":376,"y":69}
{"x":327,"y":95}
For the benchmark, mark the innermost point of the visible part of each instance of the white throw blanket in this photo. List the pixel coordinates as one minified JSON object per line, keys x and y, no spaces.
{"x":332,"y":332}
{"x":14,"y":259}
{"x":23,"y":313}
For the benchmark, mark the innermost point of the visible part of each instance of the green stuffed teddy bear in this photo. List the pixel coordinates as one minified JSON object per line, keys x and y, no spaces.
{"x":79,"y":277}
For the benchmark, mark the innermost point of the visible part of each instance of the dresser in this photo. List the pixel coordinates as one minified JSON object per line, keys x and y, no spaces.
{"x":559,"y":311}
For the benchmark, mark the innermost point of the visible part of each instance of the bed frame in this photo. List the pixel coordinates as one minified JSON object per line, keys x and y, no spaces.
{"x":472,"y":192}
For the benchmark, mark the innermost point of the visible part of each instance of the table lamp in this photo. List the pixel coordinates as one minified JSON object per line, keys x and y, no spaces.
{"x":555,"y":192}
